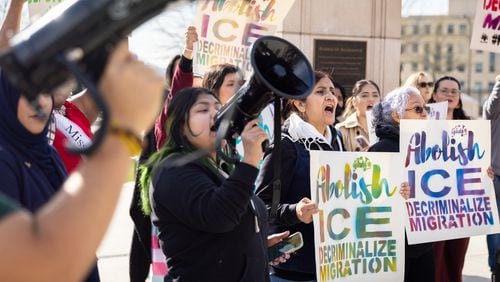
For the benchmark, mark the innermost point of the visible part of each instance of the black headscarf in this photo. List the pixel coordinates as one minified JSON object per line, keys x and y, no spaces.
{"x":37,"y":164}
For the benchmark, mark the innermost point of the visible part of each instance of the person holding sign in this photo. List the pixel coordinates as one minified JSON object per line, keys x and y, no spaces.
{"x":403,"y":103}
{"x":491,"y":111}
{"x":308,"y":127}
{"x":450,"y":254}
{"x":354,"y":128}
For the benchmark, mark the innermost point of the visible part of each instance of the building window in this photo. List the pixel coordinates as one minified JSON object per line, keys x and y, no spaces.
{"x":478,"y":87}
{"x":439,"y":29}
{"x":403,"y":48}
{"x":479,"y":67}
{"x":414,"y":66}
{"x":450,"y":49}
{"x":463,"y":29}
{"x":403,"y":30}
{"x":451,"y":28}
{"x":461,"y":68}
{"x":491,"y":62}
{"x":462,"y":84}
{"x":449,"y":65}
{"x":479,"y":51}
{"x":414,"y":48}
{"x":427,"y":29}
{"x":415,"y":29}
{"x":427,"y":48}
{"x":490,"y":86}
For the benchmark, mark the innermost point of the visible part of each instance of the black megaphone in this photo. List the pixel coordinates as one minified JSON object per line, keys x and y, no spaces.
{"x":280,"y":70}
{"x":74,"y":38}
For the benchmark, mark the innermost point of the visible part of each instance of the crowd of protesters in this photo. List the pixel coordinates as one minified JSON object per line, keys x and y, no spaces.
{"x":211,"y":220}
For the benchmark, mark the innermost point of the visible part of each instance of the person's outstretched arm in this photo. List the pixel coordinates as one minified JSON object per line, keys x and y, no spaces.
{"x":183,"y":78}
{"x":11,"y":24}
{"x":60,"y":240}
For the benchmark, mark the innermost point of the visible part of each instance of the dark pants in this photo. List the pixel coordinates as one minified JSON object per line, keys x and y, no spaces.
{"x":449,"y":259}
{"x":140,"y":251}
{"x":493,"y":240}
{"x":420,"y":268}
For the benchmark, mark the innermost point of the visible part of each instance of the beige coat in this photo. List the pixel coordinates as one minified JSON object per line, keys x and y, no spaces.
{"x":350,"y":129}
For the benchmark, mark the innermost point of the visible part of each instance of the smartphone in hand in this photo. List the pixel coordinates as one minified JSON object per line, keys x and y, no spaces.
{"x":362,"y":141}
{"x":289,"y":245}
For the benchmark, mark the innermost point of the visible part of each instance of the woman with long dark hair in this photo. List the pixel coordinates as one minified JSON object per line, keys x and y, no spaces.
{"x":211,"y":225}
{"x":308,"y":126}
{"x":354,"y":127}
{"x":449,"y":255}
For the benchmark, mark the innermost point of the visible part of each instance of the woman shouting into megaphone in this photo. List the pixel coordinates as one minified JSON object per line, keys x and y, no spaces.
{"x":211,"y":225}
{"x":308,"y":126}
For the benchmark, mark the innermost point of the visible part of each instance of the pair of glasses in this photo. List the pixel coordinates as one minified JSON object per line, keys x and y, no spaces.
{"x":425,"y":84}
{"x":453,"y":92}
{"x":419,"y":109}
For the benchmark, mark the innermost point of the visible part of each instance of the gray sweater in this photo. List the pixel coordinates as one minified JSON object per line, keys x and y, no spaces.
{"x":491,"y":111}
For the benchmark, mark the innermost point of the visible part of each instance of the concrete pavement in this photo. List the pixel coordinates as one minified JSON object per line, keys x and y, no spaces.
{"x":114,"y":250}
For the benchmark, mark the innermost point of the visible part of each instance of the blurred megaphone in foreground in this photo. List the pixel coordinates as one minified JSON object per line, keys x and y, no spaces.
{"x":74,"y":38}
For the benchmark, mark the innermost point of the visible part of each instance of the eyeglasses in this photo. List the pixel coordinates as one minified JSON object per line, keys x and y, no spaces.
{"x":453,"y":92}
{"x":419,"y":109}
{"x":425,"y":84}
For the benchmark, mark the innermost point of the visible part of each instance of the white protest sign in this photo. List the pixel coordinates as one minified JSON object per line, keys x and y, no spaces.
{"x":437,"y":111}
{"x":38,"y":8}
{"x":486,"y":35}
{"x":445,"y":162}
{"x":227,"y":29}
{"x":359,"y":230}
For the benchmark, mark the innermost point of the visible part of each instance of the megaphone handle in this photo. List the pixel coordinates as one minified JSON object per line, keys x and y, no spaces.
{"x":265,"y":145}
{"x":277,"y":159}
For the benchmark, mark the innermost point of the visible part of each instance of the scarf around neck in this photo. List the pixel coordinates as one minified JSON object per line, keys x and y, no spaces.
{"x":305,"y":133}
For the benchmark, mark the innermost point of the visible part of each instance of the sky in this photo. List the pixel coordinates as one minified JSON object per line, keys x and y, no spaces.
{"x":424,"y":7}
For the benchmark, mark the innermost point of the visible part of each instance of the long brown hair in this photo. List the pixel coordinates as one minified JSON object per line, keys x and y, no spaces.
{"x":358,"y":86}
{"x":458,"y":113}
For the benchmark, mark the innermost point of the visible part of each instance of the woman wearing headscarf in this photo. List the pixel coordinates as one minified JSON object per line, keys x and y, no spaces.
{"x":30,"y":169}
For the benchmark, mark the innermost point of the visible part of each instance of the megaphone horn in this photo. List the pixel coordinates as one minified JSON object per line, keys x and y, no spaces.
{"x":280,"y":69}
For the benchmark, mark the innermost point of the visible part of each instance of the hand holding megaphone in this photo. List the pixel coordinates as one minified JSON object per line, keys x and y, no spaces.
{"x":280,"y":70}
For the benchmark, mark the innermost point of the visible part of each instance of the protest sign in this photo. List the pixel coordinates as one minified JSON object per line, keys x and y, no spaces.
{"x":485,"y":34}
{"x":38,"y":8}
{"x":266,"y":122}
{"x":227,"y":29}
{"x":437,"y":111}
{"x":359,"y":230}
{"x":451,"y":196}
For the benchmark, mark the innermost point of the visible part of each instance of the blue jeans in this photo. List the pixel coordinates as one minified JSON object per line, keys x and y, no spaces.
{"x":493,"y":240}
